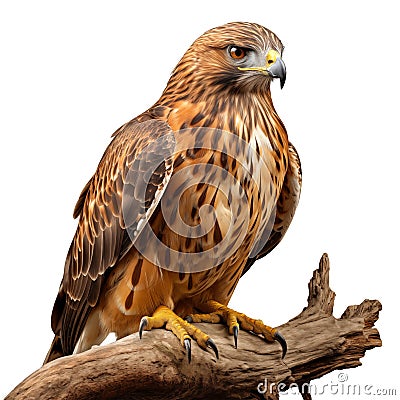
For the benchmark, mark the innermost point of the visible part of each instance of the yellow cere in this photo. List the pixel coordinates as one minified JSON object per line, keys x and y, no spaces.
{"x":271,"y":57}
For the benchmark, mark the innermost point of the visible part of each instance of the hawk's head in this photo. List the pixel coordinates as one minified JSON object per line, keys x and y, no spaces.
{"x":237,"y":57}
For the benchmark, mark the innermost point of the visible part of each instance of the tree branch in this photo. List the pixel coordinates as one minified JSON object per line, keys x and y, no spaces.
{"x":156,"y":366}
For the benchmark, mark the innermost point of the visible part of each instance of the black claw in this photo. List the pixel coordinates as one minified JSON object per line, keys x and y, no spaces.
{"x":188,"y":347}
{"x":189,"y":319}
{"x":278,"y":337}
{"x":143,"y":324}
{"x":210,"y":343}
{"x":235,"y":335}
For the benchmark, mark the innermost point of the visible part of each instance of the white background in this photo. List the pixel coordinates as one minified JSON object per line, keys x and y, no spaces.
{"x":73,"y":72}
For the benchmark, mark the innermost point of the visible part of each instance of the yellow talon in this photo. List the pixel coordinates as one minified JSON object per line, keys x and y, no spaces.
{"x":231,"y":321}
{"x":182,"y":329}
{"x":215,"y":312}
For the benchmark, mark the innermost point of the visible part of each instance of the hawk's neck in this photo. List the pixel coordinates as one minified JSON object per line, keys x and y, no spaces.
{"x":244,"y":115}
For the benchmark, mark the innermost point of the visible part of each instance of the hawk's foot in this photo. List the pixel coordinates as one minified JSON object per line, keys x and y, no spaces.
{"x":182,"y":329}
{"x":216,"y":312}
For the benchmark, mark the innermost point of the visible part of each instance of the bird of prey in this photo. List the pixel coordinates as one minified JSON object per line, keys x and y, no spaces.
{"x":187,"y":196}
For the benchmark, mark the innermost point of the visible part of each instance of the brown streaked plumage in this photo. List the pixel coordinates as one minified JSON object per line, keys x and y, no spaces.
{"x":212,"y":140}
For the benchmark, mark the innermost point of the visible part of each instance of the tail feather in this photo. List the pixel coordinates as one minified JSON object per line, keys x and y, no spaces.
{"x":55,"y":350}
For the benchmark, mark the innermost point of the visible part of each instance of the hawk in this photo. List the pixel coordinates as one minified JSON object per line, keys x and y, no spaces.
{"x":187,"y":196}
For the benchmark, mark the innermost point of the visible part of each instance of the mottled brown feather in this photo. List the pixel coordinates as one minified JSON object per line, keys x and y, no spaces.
{"x":285,"y":208}
{"x":98,"y":242}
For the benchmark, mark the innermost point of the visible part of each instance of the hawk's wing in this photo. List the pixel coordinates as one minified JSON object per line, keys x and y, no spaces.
{"x":126,"y":188}
{"x":285,"y":207}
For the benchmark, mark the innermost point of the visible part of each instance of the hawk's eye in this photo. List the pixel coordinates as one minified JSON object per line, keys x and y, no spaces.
{"x":237,"y":53}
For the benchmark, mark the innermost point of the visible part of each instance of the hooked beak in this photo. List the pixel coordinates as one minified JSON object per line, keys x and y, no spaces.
{"x":278,"y":70}
{"x":274,"y":67}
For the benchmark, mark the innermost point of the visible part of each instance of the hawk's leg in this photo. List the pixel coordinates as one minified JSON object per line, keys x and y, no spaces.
{"x":216,"y":312}
{"x":183,"y":330}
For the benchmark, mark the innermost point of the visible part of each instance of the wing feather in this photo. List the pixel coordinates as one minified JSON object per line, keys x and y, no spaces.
{"x":123,"y":182}
{"x":285,"y":207}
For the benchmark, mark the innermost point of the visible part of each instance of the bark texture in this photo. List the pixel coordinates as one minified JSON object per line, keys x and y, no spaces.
{"x":156,"y":366}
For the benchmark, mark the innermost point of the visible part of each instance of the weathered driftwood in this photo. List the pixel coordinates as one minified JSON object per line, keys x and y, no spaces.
{"x":156,"y":366}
